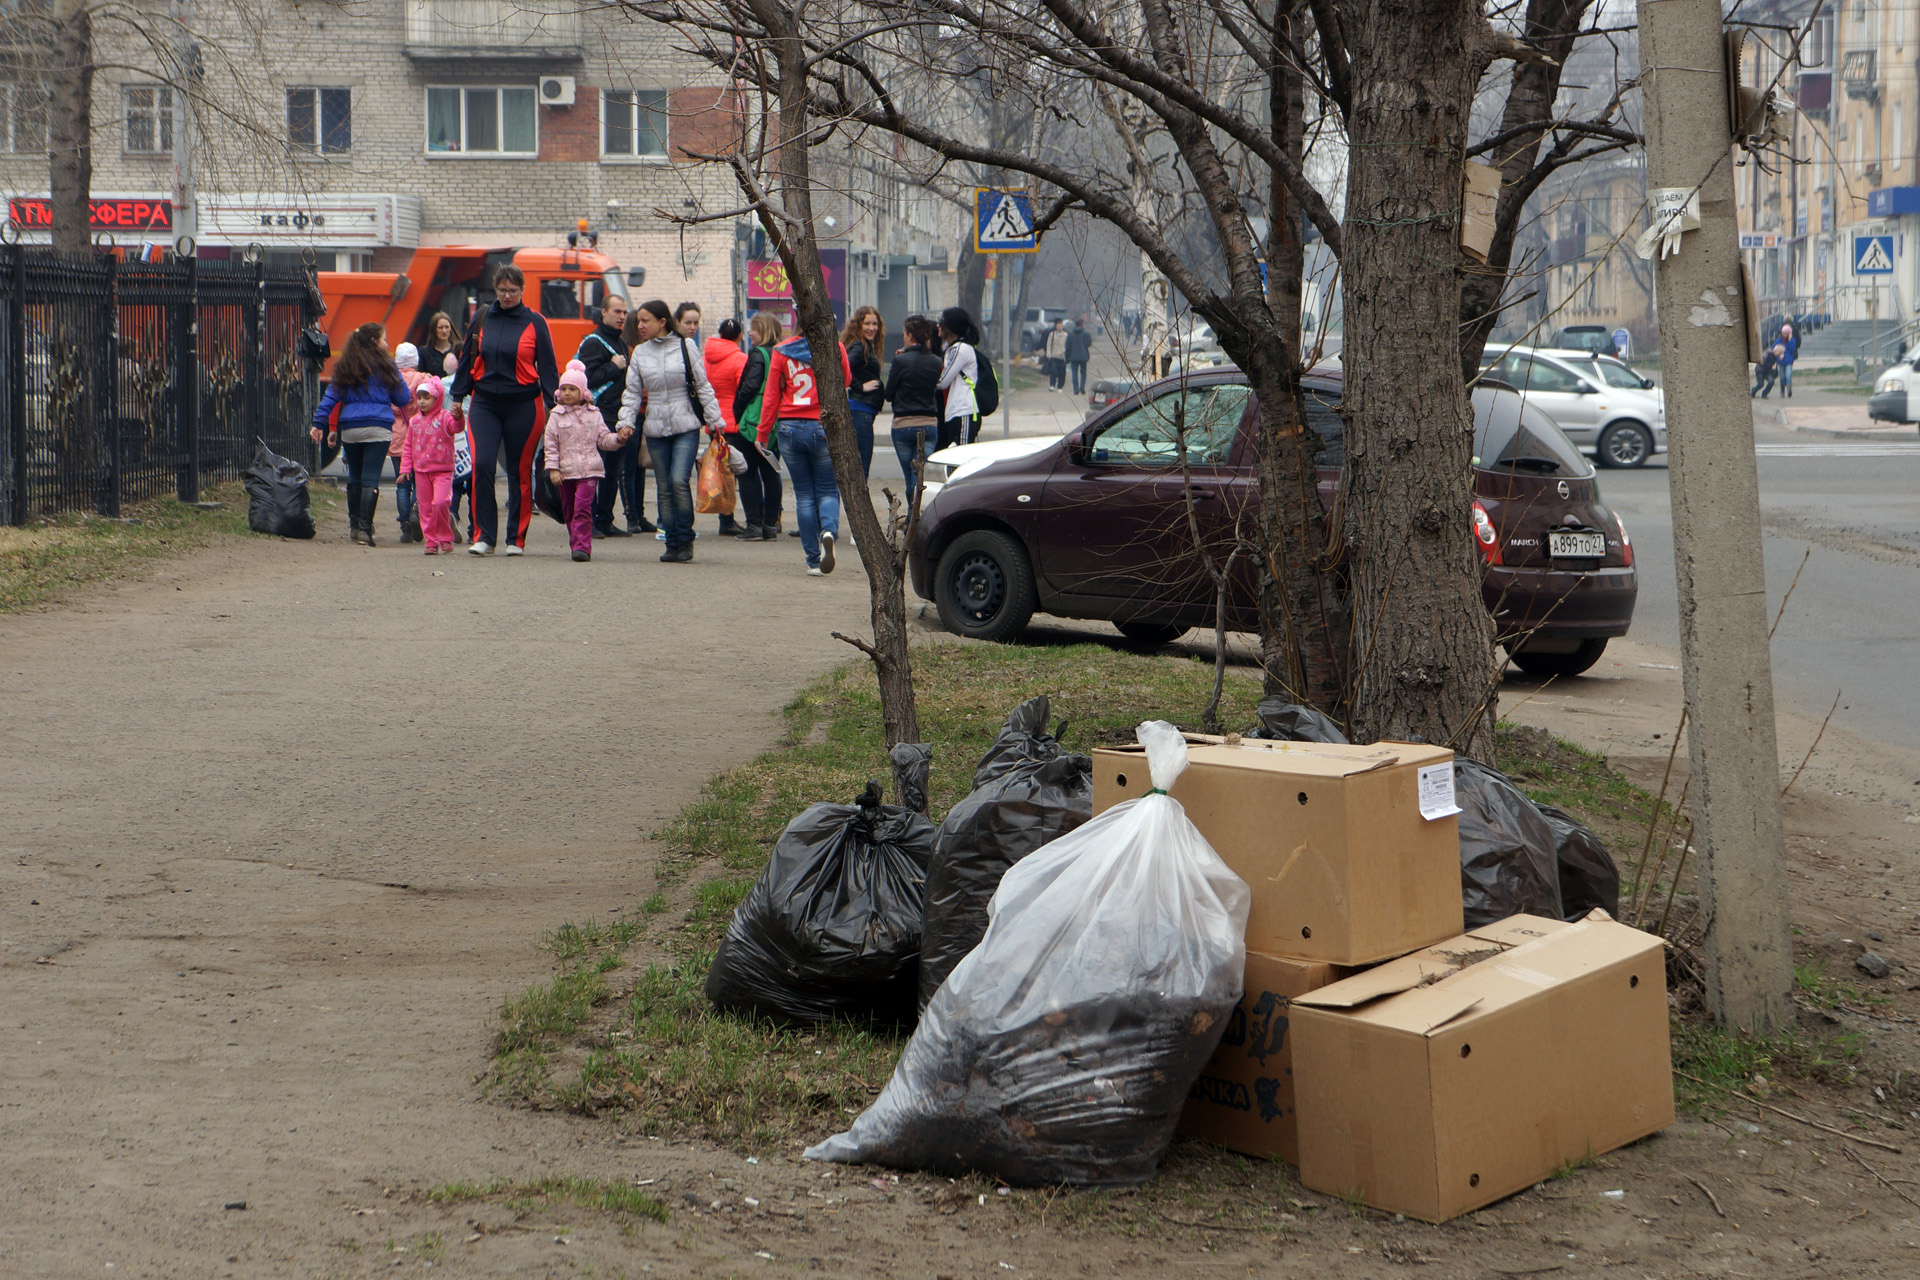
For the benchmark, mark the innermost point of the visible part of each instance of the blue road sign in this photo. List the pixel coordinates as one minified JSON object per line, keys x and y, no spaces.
{"x":1873,"y":255}
{"x":1003,"y":221}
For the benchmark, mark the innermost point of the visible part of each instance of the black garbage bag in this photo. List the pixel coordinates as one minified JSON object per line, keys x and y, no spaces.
{"x":277,"y":499}
{"x":832,"y":929}
{"x":546,"y":494}
{"x":1508,"y":858}
{"x":1291,"y":722}
{"x":1026,"y":792}
{"x":1588,"y":876}
{"x":912,"y":766}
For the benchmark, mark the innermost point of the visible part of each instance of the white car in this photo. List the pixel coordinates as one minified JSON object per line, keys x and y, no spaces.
{"x":1893,"y":389}
{"x":1606,"y":408}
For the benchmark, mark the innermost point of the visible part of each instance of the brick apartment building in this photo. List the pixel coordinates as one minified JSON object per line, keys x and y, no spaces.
{"x":359,"y":131}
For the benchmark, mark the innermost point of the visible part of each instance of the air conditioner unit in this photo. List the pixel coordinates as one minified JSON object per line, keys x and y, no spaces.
{"x":556,"y":91}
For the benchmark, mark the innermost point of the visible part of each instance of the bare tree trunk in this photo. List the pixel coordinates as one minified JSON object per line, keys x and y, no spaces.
{"x":973,"y":278}
{"x":1422,"y":637}
{"x":70,"y":124}
{"x":794,"y":235}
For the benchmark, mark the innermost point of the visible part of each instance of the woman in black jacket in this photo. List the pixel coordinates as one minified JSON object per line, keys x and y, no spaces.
{"x":913,"y":387}
{"x":507,"y":365}
{"x":865,"y":395}
{"x":760,"y":486}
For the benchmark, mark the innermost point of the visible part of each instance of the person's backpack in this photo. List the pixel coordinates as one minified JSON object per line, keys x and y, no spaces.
{"x":986,"y":389}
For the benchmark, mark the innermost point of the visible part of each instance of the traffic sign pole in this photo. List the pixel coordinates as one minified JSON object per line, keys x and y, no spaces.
{"x":1002,"y":224}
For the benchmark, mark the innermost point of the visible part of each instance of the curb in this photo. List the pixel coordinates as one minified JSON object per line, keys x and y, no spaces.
{"x":1777,"y":417}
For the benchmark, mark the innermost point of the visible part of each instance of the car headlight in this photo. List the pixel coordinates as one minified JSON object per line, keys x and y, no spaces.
{"x":1894,"y":384}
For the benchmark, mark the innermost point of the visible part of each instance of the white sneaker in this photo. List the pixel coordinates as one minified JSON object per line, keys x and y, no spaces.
{"x":816,"y":572}
{"x":660,"y":535}
{"x":826,"y":553}
{"x":513,"y":550}
{"x":481,"y":548}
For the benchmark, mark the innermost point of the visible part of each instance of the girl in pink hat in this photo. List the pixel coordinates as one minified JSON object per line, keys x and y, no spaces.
{"x":576,"y":433}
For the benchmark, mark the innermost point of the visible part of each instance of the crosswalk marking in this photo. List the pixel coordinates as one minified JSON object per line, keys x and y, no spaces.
{"x":1841,"y":449}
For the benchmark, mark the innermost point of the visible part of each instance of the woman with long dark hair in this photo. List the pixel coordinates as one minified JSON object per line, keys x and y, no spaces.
{"x":365,"y":389}
{"x":959,"y":370}
{"x":913,"y":385}
{"x":862,"y":337}
{"x":760,"y":493}
{"x":667,"y":375}
{"x":507,"y":365}
{"x":440,"y":355}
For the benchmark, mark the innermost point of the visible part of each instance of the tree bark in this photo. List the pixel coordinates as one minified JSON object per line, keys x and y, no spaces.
{"x":795,"y":237}
{"x":70,"y":124}
{"x":1422,"y":636}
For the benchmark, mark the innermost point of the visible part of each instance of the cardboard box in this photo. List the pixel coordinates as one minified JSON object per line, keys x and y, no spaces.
{"x":1442,"y":1081}
{"x":1244,"y":1099}
{"x":1332,"y":840}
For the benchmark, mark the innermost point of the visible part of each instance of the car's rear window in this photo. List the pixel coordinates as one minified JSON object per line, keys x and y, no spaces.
{"x":1509,"y":434}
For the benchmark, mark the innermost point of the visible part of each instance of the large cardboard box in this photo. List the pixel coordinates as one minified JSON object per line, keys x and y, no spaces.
{"x":1348,"y":862}
{"x":1244,"y":1099}
{"x":1442,"y":1081}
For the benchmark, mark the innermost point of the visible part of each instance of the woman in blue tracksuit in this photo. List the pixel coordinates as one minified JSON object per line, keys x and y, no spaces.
{"x":365,"y":390}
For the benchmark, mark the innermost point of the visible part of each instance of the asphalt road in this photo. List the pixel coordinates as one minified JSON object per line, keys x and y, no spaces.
{"x":1853,"y":624}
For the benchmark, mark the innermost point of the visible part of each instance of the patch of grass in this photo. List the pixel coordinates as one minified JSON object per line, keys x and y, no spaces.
{"x":527,"y":1197}
{"x":1727,"y":1061}
{"x":42,"y":561}
{"x":1554,"y":771}
{"x":534,"y":1023}
{"x":654,"y":905}
{"x":1816,"y":988}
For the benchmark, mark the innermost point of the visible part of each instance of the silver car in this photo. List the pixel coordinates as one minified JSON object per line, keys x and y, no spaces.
{"x":1606,"y":408}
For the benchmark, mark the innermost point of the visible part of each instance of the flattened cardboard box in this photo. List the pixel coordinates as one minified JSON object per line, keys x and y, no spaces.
{"x":1352,"y":853}
{"x":1244,"y":1099}
{"x":1447,"y":1079}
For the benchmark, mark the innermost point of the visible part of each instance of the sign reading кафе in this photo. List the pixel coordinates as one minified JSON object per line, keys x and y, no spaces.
{"x":104,"y":213}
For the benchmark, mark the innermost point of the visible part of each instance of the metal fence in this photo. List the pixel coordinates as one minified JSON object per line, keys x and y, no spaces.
{"x":95,"y":409}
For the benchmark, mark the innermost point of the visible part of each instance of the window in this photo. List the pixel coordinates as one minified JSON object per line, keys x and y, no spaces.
{"x":1150,"y":435}
{"x":149,"y":119}
{"x":1323,"y":419}
{"x":23,"y":118}
{"x":320,"y":121}
{"x":482,"y":121}
{"x":1615,"y":374}
{"x":633,"y":122}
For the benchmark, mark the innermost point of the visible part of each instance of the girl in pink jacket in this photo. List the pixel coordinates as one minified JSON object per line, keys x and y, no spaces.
{"x":426,"y":456}
{"x":576,"y":433}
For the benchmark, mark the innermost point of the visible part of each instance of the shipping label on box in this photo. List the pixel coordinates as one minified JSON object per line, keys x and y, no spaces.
{"x":1352,"y":852}
{"x":1244,"y":1098}
{"x":1448,"y":1079}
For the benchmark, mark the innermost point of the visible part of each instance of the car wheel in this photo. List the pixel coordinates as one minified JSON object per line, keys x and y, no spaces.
{"x":1543,"y":665}
{"x":1151,"y":633}
{"x":984,"y":586}
{"x":1625,"y":444}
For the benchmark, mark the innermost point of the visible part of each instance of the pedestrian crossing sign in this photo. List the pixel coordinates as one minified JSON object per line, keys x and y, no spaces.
{"x":1003,"y":221}
{"x":1873,"y":255}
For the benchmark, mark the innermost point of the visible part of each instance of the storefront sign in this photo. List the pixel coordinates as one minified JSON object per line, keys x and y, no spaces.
{"x":138,"y":214}
{"x":336,"y":221}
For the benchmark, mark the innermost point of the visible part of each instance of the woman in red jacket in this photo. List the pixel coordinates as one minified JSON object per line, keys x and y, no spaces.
{"x":507,"y":365}
{"x":793,"y":400}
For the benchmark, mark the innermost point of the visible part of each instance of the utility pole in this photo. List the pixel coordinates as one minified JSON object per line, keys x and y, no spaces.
{"x":1716,"y":523}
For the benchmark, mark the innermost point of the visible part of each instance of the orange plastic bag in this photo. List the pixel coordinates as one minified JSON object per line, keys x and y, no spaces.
{"x":715,"y":493}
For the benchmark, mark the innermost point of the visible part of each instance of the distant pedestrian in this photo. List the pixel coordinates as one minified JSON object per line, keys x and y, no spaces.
{"x":1056,"y":356}
{"x":862,"y":337}
{"x":1766,"y":371}
{"x":428,"y":459}
{"x":1789,"y":351}
{"x":792,"y":400}
{"x":760,"y":483}
{"x":576,"y":436}
{"x":669,"y":397}
{"x":365,"y":390}
{"x":1079,"y":351}
{"x":604,"y":353}
{"x":726,"y":361}
{"x":441,"y":354}
{"x":959,"y":372}
{"x":507,"y":365}
{"x":913,"y":388}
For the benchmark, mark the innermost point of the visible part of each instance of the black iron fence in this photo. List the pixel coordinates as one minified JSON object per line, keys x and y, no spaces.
{"x":126,"y":380}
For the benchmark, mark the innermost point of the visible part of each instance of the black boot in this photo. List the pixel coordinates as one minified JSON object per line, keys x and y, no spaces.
{"x":353,"y":513}
{"x":370,"y":503}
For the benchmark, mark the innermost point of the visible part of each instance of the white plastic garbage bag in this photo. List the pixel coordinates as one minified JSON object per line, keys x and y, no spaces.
{"x":1061,"y":1049}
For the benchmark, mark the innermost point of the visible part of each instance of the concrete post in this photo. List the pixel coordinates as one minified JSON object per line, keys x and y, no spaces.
{"x":1716,"y":524}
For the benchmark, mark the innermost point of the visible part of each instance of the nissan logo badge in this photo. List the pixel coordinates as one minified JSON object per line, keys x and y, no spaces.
{"x":1566,"y":490}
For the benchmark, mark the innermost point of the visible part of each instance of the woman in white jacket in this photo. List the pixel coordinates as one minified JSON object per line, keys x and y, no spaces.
{"x":959,"y":370}
{"x":669,"y":396}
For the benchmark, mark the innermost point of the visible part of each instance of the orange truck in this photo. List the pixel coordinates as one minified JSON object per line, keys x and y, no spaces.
{"x":568,"y":286}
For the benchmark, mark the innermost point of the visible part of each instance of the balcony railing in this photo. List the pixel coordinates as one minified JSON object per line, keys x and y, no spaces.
{"x":496,"y":28}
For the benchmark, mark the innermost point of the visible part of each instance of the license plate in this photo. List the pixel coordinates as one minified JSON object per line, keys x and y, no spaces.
{"x":1577,"y":546}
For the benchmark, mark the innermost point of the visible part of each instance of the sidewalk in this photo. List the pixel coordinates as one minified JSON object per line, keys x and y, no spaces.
{"x":1835,"y":421}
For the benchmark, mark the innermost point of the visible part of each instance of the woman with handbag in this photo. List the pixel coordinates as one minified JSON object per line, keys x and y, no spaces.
{"x":669,"y":397}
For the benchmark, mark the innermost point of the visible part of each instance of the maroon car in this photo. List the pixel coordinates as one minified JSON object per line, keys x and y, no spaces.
{"x":1097,"y":524}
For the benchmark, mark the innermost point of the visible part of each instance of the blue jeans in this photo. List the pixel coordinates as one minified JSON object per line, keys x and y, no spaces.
{"x":1786,"y":379}
{"x":402,"y":494}
{"x":673,"y":459}
{"x":816,"y":498}
{"x":863,"y":435}
{"x":908,"y":442}
{"x":365,"y":462}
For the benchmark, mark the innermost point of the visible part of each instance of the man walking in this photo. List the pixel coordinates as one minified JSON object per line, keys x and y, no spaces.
{"x":1079,"y":350}
{"x":604,"y":352}
{"x":1056,"y":354}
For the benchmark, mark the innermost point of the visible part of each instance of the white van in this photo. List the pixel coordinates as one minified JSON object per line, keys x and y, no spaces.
{"x":1609,"y":410}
